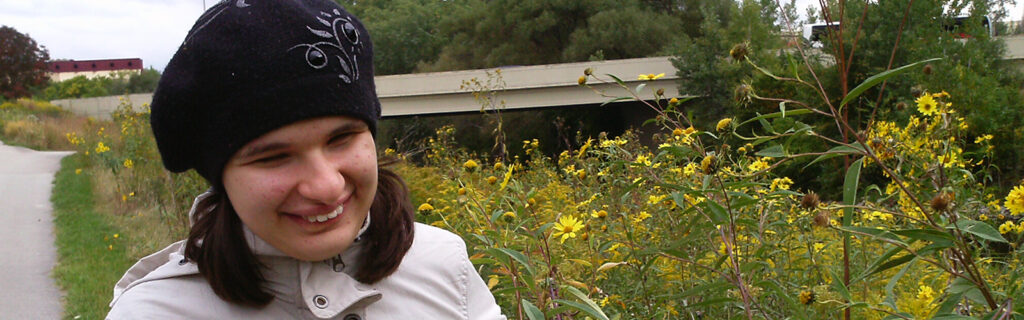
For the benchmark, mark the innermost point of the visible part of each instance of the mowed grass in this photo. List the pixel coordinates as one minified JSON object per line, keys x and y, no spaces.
{"x":90,"y":258}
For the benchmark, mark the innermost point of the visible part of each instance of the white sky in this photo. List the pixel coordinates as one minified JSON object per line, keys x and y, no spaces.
{"x":147,"y":29}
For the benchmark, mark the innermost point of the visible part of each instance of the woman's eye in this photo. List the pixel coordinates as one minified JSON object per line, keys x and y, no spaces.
{"x":270,"y":159}
{"x":339,"y":138}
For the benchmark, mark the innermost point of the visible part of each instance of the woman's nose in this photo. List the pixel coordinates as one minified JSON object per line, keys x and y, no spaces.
{"x":321,"y":181}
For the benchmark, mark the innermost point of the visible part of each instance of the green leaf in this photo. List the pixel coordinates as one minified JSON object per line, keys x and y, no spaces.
{"x":617,"y":80}
{"x":532,"y":311}
{"x":615,"y":100}
{"x":837,"y":284}
{"x":878,"y":78}
{"x":890,"y":297}
{"x":774,"y":151}
{"x":932,"y":235}
{"x":877,"y":233}
{"x":980,"y":229}
{"x":952,"y":317}
{"x":782,"y":108}
{"x":767,"y":126}
{"x":775,"y":115}
{"x":716,"y":211}
{"x":949,"y":304}
{"x":517,"y":256}
{"x":593,"y":309}
{"x":853,"y":148}
{"x":850,"y":190}
{"x":894,"y":263}
{"x":596,"y":313}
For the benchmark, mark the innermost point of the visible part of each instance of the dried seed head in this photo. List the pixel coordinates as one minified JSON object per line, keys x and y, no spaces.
{"x":588,"y":71}
{"x":927,"y":69}
{"x":660,"y":92}
{"x":810,"y":200}
{"x":743,"y":93}
{"x":739,"y":51}
{"x":941,"y":201}
{"x":916,"y":91}
{"x":821,"y":219}
{"x":901,"y":105}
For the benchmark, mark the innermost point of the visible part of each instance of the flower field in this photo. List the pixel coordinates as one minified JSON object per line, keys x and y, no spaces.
{"x":696,"y":226}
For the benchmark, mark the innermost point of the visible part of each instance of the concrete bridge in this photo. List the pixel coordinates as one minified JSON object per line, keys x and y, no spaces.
{"x":451,"y":92}
{"x":520,"y":86}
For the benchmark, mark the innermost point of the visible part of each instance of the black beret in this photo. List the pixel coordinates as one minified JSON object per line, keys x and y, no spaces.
{"x":248,"y":67}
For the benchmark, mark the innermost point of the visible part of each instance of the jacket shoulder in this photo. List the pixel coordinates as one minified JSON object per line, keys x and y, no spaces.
{"x":153,"y":277}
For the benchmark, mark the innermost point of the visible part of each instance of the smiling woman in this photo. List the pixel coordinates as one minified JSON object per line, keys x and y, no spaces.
{"x":273,"y":103}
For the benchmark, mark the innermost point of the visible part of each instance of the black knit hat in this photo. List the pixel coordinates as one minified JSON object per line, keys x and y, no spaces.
{"x":248,"y":67}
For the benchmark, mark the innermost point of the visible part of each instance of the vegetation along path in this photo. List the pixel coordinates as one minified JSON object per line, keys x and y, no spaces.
{"x":27,"y":253}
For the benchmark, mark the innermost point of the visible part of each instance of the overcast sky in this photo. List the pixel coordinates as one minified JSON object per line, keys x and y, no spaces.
{"x":108,"y":29}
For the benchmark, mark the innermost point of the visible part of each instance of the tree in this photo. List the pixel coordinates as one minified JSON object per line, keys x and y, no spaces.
{"x":22,"y":63}
{"x":405,"y":32}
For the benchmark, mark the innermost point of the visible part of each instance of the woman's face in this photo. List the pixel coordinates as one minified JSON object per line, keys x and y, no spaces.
{"x":307,"y":187}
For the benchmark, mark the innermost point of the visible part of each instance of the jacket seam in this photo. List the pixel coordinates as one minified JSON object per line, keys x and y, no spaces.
{"x":463,"y":284}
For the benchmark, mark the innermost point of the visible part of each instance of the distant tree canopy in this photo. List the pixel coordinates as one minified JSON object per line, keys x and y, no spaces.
{"x":118,"y":84}
{"x":22,"y":63}
{"x":429,"y":35}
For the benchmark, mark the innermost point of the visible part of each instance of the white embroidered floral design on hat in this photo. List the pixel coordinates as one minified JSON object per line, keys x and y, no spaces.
{"x":341,"y":28}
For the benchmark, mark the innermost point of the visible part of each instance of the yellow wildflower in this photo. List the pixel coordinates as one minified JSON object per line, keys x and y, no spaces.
{"x":116,"y":235}
{"x":818,"y":246}
{"x":677,"y":132}
{"x":425,"y":207}
{"x":643,"y":215}
{"x":1015,"y":200}
{"x":78,"y":171}
{"x":582,"y":80}
{"x":508,"y":216}
{"x":926,"y":293}
{"x":566,"y":227}
{"x":650,"y":76}
{"x":760,"y":164}
{"x":690,"y":169}
{"x":722,"y":124}
{"x":806,"y":297}
{"x":600,"y":214}
{"x":128,"y":163}
{"x":1007,"y":227}
{"x":983,"y":138}
{"x":469,"y":165}
{"x":983,"y":217}
{"x":926,"y":105}
{"x":492,"y":179}
{"x":101,"y":148}
{"x":643,"y":159}
{"x":781,"y":184}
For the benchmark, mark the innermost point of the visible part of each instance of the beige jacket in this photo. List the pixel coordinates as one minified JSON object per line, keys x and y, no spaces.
{"x":434,"y":281}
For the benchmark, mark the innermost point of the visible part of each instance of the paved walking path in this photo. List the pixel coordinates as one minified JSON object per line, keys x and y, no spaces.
{"x":27,"y":252}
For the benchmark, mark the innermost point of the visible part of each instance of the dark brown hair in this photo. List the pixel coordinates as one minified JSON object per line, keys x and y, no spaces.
{"x":217,"y":244}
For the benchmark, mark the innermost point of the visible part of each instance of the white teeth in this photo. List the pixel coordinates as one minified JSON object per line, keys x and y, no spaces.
{"x":325,"y":217}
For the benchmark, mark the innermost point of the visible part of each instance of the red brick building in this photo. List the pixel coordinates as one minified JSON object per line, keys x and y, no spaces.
{"x":63,"y":70}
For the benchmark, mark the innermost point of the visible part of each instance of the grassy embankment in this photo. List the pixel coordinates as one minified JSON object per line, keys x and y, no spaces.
{"x":90,"y":249}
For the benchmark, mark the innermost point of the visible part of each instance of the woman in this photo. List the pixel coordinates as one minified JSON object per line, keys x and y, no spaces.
{"x":273,"y":103}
